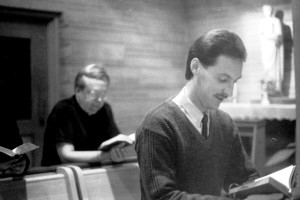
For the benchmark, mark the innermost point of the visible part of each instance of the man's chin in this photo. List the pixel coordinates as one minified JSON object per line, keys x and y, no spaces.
{"x":216,"y":105}
{"x":93,"y":111}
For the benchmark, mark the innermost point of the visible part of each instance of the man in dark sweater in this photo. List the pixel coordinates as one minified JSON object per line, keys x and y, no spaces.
{"x":78,"y":125}
{"x":180,"y":156}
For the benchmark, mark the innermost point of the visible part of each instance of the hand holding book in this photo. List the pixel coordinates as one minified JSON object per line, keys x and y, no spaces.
{"x":17,"y":161}
{"x":13,"y":167}
{"x":119,"y":141}
{"x":280,"y":181}
{"x":19,"y":150}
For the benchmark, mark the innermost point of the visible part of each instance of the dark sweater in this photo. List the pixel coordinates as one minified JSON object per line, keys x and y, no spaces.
{"x":176,"y":162}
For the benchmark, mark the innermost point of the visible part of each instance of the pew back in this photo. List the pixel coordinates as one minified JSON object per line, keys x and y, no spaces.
{"x":109,"y":182}
{"x":47,"y":186}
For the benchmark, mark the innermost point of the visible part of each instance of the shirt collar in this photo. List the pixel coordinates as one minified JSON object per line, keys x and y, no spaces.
{"x":189,"y":107}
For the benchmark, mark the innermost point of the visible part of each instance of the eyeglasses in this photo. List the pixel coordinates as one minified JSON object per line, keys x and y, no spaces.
{"x":92,"y":94}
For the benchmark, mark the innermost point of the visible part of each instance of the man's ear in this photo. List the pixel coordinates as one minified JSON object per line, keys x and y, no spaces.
{"x":195,"y":65}
{"x":78,"y":90}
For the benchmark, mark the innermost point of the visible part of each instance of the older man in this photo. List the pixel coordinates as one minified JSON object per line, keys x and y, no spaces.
{"x":79,"y":124}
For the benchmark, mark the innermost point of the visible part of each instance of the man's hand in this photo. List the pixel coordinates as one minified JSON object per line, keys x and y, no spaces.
{"x":5,"y":165}
{"x":117,"y":154}
{"x":13,"y":167}
{"x":276,"y":196}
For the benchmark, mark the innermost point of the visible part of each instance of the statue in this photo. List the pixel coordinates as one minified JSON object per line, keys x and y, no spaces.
{"x":272,"y":52}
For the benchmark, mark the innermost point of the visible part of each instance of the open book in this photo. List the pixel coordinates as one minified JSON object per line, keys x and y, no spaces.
{"x":121,"y":139}
{"x":277,"y":182}
{"x":19,"y":150}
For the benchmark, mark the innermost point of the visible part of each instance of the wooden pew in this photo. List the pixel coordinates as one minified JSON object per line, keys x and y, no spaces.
{"x":59,"y":185}
{"x":110,"y":182}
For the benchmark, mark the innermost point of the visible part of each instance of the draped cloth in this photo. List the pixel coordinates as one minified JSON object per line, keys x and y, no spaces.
{"x":272,"y":51}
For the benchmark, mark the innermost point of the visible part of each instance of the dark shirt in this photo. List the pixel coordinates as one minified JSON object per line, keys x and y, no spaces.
{"x":68,"y":123}
{"x":176,"y":162}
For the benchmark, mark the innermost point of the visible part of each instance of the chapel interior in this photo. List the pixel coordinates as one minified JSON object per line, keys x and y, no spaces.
{"x":143,"y":44}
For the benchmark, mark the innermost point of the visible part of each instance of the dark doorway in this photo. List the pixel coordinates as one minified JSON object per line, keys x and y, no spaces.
{"x":16,"y":75}
{"x":29,"y":69}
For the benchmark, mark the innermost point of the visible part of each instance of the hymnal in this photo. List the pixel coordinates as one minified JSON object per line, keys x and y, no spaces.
{"x":277,"y":182}
{"x":19,"y":150}
{"x":122,"y":139}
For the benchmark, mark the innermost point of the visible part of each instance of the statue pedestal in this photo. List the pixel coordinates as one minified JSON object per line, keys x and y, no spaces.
{"x":282,"y":100}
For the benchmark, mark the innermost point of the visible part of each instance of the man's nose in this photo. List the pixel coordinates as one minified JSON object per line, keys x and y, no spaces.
{"x":100,"y":99}
{"x":229,"y":89}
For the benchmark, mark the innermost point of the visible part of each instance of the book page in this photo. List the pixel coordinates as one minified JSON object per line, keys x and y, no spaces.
{"x":24,"y":148}
{"x":265,"y":185}
{"x":283,"y":176}
{"x":121,"y":138}
{"x":7,"y":151}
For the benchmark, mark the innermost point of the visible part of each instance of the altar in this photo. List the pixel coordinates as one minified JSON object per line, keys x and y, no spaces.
{"x":248,"y":111}
{"x":251,"y":120}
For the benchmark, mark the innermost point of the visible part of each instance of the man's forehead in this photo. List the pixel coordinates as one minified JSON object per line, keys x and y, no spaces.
{"x":91,"y":80}
{"x":227,"y":66}
{"x":94,"y":83}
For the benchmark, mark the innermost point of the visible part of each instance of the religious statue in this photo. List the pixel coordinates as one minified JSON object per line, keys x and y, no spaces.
{"x":272,"y":52}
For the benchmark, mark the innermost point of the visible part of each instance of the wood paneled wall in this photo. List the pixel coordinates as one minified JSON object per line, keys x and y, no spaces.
{"x":141,"y":43}
{"x":144,"y":45}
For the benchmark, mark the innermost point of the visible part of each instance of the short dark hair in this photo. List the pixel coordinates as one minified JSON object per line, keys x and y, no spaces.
{"x":208,"y":47}
{"x":91,"y":71}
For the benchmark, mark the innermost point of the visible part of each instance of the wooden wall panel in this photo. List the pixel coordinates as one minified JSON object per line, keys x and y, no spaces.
{"x":141,"y":43}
